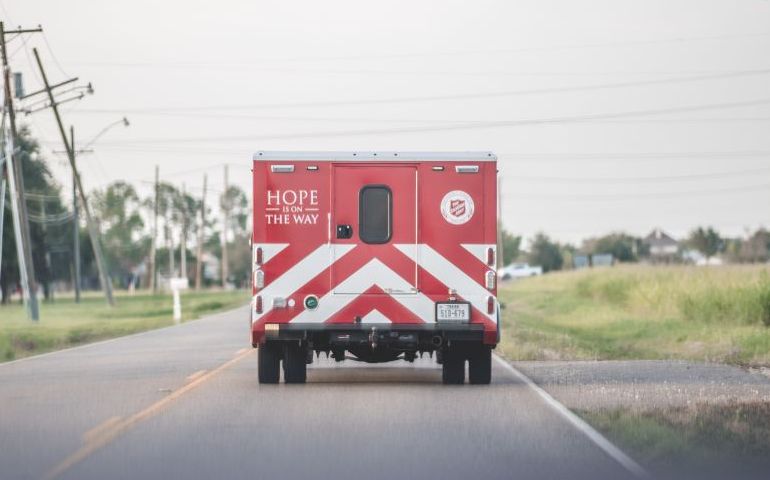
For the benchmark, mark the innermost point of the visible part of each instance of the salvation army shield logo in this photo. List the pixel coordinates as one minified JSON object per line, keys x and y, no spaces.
{"x":457,"y":207}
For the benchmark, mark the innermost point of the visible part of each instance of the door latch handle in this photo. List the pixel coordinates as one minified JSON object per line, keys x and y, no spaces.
{"x":344,"y":231}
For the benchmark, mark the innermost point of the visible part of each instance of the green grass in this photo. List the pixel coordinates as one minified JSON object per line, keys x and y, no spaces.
{"x":640,"y":312}
{"x":65,"y":323}
{"x":693,"y":435}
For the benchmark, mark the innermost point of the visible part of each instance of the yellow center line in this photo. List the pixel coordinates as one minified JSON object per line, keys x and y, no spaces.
{"x":195,"y":375}
{"x":90,"y":435}
{"x":107,"y":434}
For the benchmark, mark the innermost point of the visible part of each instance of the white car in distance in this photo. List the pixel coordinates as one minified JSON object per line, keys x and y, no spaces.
{"x":519,"y":270}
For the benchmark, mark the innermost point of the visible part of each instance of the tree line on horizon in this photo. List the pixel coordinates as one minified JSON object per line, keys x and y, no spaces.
{"x":552,"y":255}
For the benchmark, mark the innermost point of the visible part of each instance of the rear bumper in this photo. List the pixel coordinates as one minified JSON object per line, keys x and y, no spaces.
{"x":425,"y":333}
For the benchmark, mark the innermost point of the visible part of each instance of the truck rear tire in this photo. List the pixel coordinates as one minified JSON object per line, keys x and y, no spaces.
{"x":269,"y":362}
{"x":294,"y":363}
{"x":453,"y":368}
{"x":480,"y":366}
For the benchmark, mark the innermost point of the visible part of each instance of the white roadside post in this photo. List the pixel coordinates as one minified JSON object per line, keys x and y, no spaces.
{"x":177,"y":284}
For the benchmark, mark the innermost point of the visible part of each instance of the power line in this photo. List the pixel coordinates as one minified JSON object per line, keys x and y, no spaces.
{"x":633,"y":196}
{"x":5,"y":11}
{"x":53,"y":55}
{"x":452,"y":97}
{"x":292,"y":118}
{"x":506,"y":157}
{"x":579,"y":156}
{"x":276,"y":117}
{"x":41,"y":196}
{"x":453,"y":53}
{"x":669,"y":178}
{"x":380,"y":72}
{"x":465,"y":126}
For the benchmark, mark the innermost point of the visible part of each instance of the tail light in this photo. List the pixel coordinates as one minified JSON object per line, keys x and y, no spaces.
{"x":259,"y":279}
{"x":490,"y":304}
{"x":491,"y":257}
{"x":258,"y":306}
{"x":258,"y":259}
{"x":490,"y":280}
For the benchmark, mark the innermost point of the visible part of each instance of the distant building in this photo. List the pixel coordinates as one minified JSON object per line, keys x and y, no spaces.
{"x":662,"y":246}
{"x":696,"y":258}
{"x":581,"y":261}
{"x":595,"y":260}
{"x":602,"y":260}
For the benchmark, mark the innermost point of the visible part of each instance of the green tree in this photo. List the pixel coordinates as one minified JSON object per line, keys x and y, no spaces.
{"x":168,"y":213}
{"x":754,"y":248}
{"x":545,"y":253}
{"x":707,"y":241}
{"x":50,"y":227}
{"x":117,"y":209}
{"x":621,"y":246}
{"x":187,"y":208}
{"x":235,"y":201}
{"x":511,"y":247}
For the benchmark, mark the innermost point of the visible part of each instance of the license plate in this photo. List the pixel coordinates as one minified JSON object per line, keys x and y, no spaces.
{"x":459,"y":312}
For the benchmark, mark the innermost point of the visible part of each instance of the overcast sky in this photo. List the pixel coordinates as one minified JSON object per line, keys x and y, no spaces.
{"x":606,"y":115}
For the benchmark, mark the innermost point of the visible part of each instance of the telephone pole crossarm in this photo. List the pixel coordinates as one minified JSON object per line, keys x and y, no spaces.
{"x":19,"y":31}
{"x":53,"y":87}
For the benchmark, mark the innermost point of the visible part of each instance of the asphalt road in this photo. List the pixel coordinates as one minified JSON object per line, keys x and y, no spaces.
{"x":184,"y":403}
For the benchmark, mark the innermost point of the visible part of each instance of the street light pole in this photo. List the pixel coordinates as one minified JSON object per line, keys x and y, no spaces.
{"x":75,"y":215}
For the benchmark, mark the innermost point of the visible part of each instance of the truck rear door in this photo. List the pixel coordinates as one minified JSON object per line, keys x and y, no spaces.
{"x":374,"y":207}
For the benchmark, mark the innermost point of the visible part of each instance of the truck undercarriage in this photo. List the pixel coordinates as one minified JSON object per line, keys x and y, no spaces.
{"x":294,"y":345}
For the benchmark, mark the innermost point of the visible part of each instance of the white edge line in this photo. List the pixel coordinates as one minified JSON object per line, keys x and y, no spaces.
{"x":597,"y":438}
{"x":115,"y":339}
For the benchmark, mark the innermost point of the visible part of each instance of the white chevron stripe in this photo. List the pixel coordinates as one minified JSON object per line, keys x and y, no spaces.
{"x":269,"y":250}
{"x":479,"y":250}
{"x":298,"y":275}
{"x":373,"y":273}
{"x":375,"y":316}
{"x":451,"y":276}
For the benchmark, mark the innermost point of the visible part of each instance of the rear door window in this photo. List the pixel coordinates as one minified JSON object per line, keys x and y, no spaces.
{"x":375,"y":217}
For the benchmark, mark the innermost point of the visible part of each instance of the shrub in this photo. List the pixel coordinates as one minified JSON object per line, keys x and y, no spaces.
{"x":764,"y":302}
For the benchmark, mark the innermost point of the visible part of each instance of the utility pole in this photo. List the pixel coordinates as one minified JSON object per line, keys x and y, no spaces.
{"x":225,"y":225}
{"x":154,"y":246}
{"x":199,"y":250}
{"x":169,"y":237}
{"x":23,"y":238}
{"x":2,"y":212}
{"x":47,"y":283}
{"x":75,"y":224}
{"x":185,"y":224}
{"x":16,"y":214}
{"x":92,"y":230}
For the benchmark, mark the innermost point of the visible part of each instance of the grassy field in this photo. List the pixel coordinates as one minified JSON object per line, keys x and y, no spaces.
{"x":640,"y":312}
{"x":66,"y":323}
{"x":702,"y":435}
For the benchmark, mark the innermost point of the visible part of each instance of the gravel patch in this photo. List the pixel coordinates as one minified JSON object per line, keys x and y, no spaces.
{"x":646,"y":384}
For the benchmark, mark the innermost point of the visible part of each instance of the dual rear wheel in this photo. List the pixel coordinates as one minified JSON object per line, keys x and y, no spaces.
{"x":479,"y":358}
{"x":293,"y":355}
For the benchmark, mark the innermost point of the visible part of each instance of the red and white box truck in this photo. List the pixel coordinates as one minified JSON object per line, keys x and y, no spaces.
{"x":375,"y":256}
